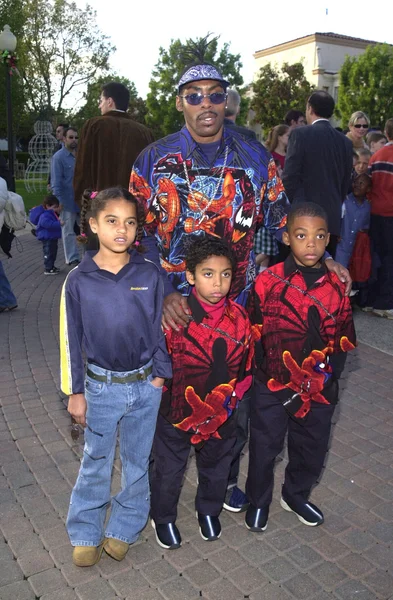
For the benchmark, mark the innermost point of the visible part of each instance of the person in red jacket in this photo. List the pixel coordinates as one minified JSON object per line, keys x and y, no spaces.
{"x":307,"y":327}
{"x":380,"y":299}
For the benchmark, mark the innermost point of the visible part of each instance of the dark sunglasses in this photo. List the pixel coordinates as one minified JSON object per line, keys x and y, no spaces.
{"x":196,"y":98}
{"x":361,"y":126}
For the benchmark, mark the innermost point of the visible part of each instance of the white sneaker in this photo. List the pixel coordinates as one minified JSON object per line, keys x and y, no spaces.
{"x":367,"y":308}
{"x":387,"y":312}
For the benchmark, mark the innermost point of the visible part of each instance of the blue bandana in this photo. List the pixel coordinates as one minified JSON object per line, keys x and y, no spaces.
{"x":199,"y":72}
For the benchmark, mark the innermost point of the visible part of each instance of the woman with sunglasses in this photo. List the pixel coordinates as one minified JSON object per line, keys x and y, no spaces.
{"x":358,"y":124}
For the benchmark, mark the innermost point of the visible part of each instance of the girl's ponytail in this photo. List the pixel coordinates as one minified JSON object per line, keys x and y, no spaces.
{"x":87,"y":197}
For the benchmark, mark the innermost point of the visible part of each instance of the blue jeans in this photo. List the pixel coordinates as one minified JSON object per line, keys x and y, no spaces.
{"x":50,"y":253}
{"x":71,"y":251}
{"x":7,"y":298}
{"x":133,"y":408}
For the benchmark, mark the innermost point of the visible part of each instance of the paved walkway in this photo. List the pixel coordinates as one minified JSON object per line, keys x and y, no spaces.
{"x":349,"y":557}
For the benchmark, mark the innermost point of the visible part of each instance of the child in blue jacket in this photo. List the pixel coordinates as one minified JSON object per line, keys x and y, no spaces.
{"x":49,"y":232}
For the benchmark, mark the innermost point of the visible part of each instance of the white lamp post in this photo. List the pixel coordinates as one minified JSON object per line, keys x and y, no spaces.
{"x":8,"y":43}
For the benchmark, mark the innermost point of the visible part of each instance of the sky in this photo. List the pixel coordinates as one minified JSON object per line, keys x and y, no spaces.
{"x":139,"y":29}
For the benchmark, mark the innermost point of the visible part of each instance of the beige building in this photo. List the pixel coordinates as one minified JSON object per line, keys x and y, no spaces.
{"x":322,"y":55}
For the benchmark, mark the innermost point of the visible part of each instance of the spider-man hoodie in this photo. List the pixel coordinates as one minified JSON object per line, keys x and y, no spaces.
{"x":307,"y":325}
{"x":212,"y":362}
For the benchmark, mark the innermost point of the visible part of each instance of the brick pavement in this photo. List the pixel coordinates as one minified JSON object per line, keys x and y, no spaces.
{"x":350,"y":556}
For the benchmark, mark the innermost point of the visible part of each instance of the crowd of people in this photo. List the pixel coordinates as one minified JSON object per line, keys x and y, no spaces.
{"x":169,"y":336}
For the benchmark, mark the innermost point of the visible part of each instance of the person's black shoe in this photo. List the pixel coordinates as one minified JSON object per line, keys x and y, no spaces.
{"x":307,"y":513}
{"x":167,"y":535}
{"x":74,"y":263}
{"x":209,"y":527}
{"x":256,"y":518}
{"x":235,"y":500}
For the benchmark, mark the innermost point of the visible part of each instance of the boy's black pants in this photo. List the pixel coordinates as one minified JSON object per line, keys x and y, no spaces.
{"x":170,"y":453}
{"x":308,"y":440}
{"x":50,"y":253}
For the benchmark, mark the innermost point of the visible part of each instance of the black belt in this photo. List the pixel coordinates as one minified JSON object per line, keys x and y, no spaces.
{"x":141,"y":376}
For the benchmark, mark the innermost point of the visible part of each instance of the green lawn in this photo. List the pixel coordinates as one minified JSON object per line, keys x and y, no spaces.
{"x":29,"y":198}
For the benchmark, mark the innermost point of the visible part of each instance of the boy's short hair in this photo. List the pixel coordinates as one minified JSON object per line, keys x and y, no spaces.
{"x":364,"y":175}
{"x":306,"y":209}
{"x":199,"y":250}
{"x":363,"y":152}
{"x":50,"y":200}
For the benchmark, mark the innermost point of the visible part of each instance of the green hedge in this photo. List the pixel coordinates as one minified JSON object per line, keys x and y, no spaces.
{"x":22,"y":157}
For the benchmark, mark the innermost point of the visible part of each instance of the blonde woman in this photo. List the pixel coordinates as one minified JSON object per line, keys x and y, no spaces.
{"x":358,"y":125}
{"x":277,"y":142}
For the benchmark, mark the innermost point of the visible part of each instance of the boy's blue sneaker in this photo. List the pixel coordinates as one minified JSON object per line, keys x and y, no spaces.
{"x":167,"y":535}
{"x":209,"y":527}
{"x":235,"y":500}
{"x":307,"y":513}
{"x":256,"y":518}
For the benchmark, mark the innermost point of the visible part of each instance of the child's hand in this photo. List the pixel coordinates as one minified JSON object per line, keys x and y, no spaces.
{"x":77,"y":407}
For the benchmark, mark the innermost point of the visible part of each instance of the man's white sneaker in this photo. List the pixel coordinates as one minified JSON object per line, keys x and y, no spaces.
{"x":387,"y":312}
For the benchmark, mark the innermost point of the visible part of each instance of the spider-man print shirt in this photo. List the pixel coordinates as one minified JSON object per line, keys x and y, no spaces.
{"x":249,"y":193}
{"x":297,"y":321}
{"x":212,"y":368}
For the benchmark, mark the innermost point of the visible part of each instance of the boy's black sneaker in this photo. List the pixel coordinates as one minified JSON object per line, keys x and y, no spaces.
{"x":52,"y":272}
{"x":167,"y":535}
{"x":256,"y":518}
{"x":209,"y":527}
{"x":235,"y":500}
{"x":56,"y":269}
{"x":307,"y":513}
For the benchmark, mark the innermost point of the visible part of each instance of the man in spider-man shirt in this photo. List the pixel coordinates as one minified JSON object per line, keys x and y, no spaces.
{"x":212,"y":359}
{"x":307,"y":328}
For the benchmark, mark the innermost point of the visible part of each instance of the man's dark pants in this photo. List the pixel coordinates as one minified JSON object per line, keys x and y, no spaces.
{"x":50,"y":253}
{"x":171,"y":449}
{"x":308,"y":440}
{"x":381,"y":291}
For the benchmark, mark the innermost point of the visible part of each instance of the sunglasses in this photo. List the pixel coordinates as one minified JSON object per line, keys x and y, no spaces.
{"x":196,"y":98}
{"x":361,"y":126}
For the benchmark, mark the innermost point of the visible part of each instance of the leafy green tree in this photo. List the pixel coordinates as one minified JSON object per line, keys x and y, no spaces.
{"x":162,"y":115}
{"x":366,"y":84}
{"x":137,"y":106}
{"x":278,"y":90}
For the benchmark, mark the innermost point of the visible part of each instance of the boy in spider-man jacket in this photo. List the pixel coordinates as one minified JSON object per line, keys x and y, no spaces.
{"x":306,"y":329}
{"x":212,"y":362}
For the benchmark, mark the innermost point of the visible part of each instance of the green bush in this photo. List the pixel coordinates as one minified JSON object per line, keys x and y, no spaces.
{"x":21,"y":157}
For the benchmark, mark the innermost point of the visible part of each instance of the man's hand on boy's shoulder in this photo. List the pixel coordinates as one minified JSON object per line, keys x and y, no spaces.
{"x":341,"y":272}
{"x":175,"y":313}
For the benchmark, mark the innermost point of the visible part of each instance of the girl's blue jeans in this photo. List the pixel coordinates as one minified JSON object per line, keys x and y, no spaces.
{"x":132,"y":409}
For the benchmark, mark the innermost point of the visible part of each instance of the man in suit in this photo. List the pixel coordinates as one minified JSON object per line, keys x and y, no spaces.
{"x":232,"y":110}
{"x":318,"y":164}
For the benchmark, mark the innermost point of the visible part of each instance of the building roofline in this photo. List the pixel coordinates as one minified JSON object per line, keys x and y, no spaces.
{"x":330,"y":38}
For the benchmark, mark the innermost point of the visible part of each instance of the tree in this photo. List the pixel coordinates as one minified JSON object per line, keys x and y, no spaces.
{"x":61,"y":49}
{"x":137,"y":106}
{"x":366,"y":84}
{"x":276,"y":91}
{"x":162,"y":117}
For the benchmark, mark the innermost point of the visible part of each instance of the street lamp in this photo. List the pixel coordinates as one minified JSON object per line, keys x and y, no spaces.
{"x":8,"y":43}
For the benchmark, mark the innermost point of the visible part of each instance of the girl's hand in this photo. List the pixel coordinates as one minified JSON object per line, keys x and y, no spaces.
{"x":77,"y":407}
{"x":157,"y":382}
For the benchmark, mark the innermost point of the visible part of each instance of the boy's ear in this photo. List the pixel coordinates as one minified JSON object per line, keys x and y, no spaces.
{"x":327,"y":240}
{"x":93,"y":224}
{"x":190,"y":278}
{"x":285,"y":238}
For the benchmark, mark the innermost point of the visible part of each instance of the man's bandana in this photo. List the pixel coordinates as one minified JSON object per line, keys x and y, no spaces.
{"x":199,"y":72}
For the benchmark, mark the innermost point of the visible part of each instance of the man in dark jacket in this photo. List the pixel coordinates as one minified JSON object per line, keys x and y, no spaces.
{"x":318,"y":164}
{"x":109,"y":145}
{"x":232,"y":110}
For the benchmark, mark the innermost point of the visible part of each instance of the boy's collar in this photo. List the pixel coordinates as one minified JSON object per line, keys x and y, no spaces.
{"x":198,"y":312}
{"x":290,"y":265}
